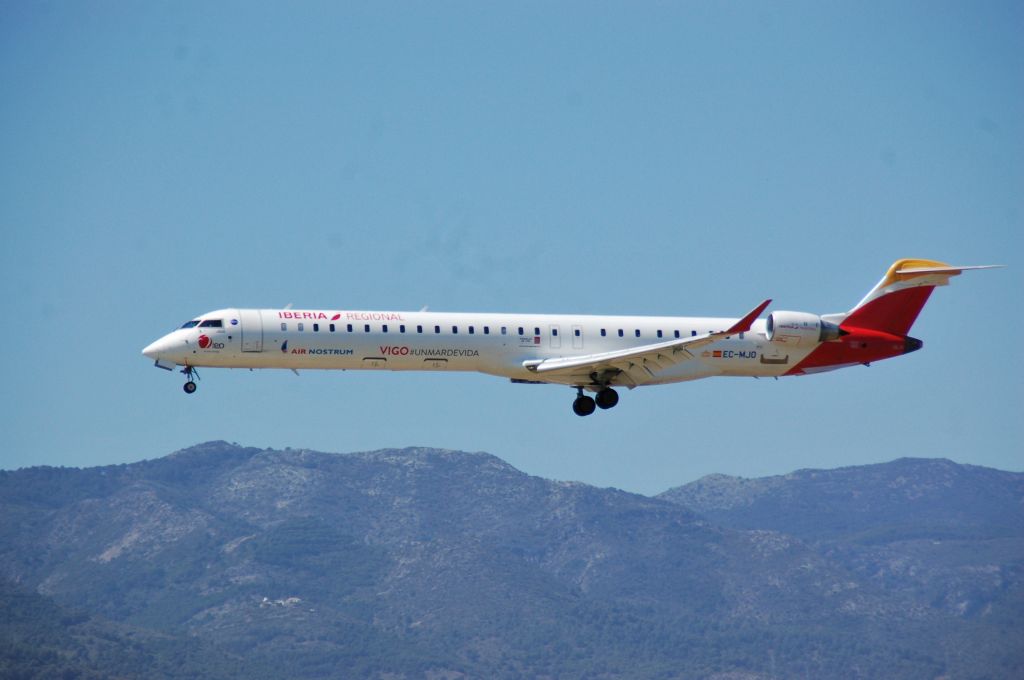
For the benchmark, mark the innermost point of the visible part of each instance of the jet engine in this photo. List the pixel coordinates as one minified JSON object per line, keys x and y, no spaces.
{"x":794,"y":328}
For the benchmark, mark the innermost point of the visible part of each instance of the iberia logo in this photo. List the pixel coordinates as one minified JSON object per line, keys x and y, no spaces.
{"x":204,"y":341}
{"x":335,"y":317}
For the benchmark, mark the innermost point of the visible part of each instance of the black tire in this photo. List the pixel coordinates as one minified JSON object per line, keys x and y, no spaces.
{"x":607,"y":398}
{"x":189,"y":387}
{"x":583,"y":406}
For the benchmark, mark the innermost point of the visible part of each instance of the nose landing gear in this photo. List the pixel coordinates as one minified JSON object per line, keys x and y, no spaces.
{"x":584,"y":405}
{"x":190,"y":373}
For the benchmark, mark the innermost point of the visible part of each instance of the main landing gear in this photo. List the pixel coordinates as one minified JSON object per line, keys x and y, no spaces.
{"x":190,"y":373}
{"x":584,"y":405}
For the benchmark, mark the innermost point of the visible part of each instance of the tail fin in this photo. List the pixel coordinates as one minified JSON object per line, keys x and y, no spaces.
{"x":892,"y":306}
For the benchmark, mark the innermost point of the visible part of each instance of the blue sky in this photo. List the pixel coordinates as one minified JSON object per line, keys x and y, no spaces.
{"x":165,"y":159}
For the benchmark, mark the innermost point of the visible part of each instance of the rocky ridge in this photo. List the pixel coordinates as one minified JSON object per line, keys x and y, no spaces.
{"x":432,"y":563}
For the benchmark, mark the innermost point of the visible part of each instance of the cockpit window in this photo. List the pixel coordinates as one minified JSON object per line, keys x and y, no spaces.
{"x":190,"y":324}
{"x":212,"y":323}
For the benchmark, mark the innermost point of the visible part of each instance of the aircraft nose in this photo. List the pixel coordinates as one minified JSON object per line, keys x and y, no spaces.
{"x":155,"y":349}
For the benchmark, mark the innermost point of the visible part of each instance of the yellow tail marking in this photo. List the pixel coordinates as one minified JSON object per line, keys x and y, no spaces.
{"x":894,"y":274}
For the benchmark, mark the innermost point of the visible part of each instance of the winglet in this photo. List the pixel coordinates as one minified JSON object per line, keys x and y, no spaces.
{"x":743,"y":325}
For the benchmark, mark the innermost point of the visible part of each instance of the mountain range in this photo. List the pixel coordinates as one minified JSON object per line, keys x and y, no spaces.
{"x":223,"y":561}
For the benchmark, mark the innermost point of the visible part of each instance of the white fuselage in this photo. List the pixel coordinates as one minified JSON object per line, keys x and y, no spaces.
{"x":592,"y":353}
{"x":495,"y":344}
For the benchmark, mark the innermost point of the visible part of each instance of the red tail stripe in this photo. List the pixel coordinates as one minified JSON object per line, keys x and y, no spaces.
{"x":892,"y":313}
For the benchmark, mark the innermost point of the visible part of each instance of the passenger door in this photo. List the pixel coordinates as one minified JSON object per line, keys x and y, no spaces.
{"x":252,"y":330}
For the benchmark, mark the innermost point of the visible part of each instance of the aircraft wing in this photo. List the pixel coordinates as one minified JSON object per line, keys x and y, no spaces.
{"x":635,"y":365}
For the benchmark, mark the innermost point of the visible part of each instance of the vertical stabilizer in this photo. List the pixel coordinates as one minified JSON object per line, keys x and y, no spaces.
{"x":893,"y":304}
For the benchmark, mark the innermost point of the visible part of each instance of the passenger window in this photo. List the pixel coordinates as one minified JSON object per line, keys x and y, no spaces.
{"x":455,"y":330}
{"x":302,"y":326}
{"x":659,"y":332}
{"x":384,"y":328}
{"x":603,"y":332}
{"x":576,"y":332}
{"x":693,"y":333}
{"x":332,"y":327}
{"x":437,"y":330}
{"x":316,"y":328}
{"x":520,"y":330}
{"x":638,"y":332}
{"x":349,"y":328}
{"x":487,"y":330}
{"x":471,"y":330}
{"x":621,"y":333}
{"x":284,"y":326}
{"x":504,"y":330}
{"x":677,"y":334}
{"x":366,"y":328}
{"x":554,"y":332}
{"x":536,"y":331}
{"x":401,"y":329}
{"x":419,"y":329}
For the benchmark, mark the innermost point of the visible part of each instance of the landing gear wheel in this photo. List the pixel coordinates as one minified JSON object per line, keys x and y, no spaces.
{"x":583,"y":405}
{"x":190,"y":372}
{"x":607,"y":398}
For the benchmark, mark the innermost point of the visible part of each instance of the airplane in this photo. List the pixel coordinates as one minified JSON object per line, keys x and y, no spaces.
{"x":591,"y":354}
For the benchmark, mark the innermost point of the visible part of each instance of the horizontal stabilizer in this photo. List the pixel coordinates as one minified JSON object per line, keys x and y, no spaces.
{"x":947,"y":269}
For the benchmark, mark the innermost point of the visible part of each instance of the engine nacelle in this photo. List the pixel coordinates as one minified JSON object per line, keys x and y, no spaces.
{"x":796,"y":328}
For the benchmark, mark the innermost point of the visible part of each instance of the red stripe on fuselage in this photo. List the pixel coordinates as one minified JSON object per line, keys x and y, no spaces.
{"x":861,"y":346}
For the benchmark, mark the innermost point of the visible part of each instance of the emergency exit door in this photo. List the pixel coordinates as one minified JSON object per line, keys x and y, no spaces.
{"x":555,"y":339}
